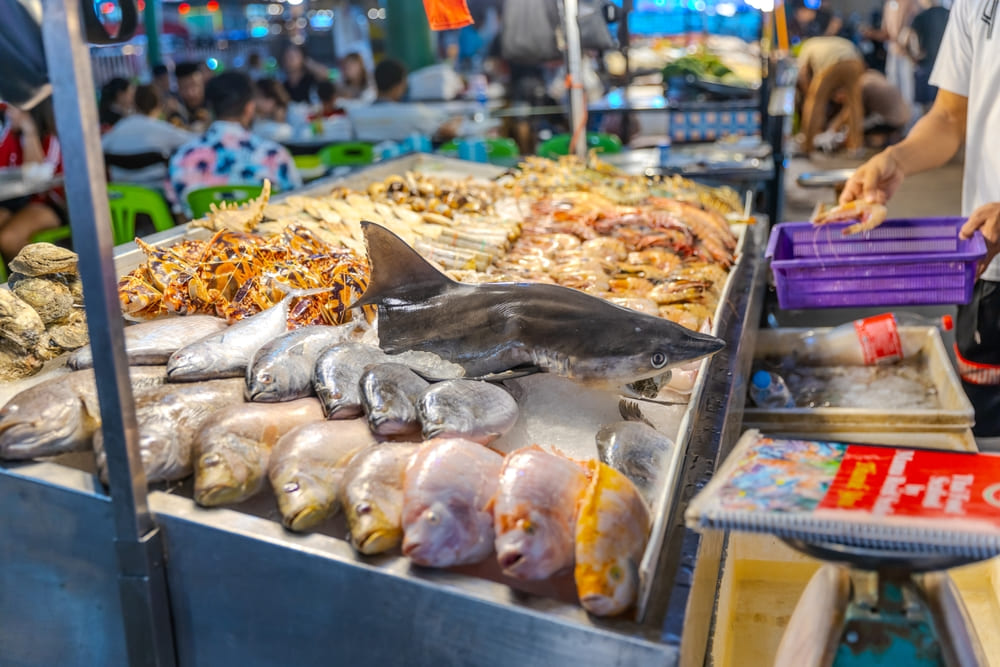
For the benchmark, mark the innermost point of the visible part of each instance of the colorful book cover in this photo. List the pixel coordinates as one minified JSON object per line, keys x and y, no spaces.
{"x":866,"y":495}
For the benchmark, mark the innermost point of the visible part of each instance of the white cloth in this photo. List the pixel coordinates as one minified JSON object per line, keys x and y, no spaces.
{"x":394,"y":121}
{"x":970,"y":54}
{"x":141,"y":134}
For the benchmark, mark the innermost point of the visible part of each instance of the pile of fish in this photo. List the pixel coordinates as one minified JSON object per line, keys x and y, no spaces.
{"x":41,"y":314}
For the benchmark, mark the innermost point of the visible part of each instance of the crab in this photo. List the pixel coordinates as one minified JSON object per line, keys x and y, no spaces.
{"x":869,"y":216}
{"x":239,"y":217}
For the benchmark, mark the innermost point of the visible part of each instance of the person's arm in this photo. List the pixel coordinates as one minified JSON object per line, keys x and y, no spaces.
{"x":834,"y":26}
{"x":21,"y":122}
{"x":318,"y":72}
{"x":931,"y":143}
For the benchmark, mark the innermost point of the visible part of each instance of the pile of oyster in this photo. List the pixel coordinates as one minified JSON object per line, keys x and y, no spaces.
{"x":41,"y":316}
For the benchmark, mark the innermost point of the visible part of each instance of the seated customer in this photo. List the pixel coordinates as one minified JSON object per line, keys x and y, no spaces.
{"x":327,"y":93}
{"x":228,"y":153}
{"x":188,"y":108}
{"x":389,"y":119}
{"x":272,"y":111}
{"x":144,"y":132}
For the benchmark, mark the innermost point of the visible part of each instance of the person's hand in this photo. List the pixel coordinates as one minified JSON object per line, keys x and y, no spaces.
{"x":21,"y":121}
{"x":986,"y":219}
{"x":876,"y":181}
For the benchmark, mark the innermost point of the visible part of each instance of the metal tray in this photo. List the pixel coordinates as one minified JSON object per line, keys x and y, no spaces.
{"x":955,"y":415}
{"x":326,"y":595}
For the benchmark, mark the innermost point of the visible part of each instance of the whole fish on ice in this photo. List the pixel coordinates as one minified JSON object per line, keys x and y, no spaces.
{"x":389,"y":393}
{"x":307,"y":469}
{"x":372,"y":495}
{"x":636,"y":449}
{"x":496,"y":327}
{"x":61,"y":414}
{"x":447,"y":493}
{"x":612,"y":527}
{"x":228,"y":353}
{"x":282,"y":369}
{"x":534,"y":515}
{"x":151,"y":343}
{"x":168,"y":418}
{"x":233,"y":447}
{"x":470,"y":409}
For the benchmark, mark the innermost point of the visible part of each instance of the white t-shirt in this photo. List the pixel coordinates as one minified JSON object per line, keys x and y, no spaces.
{"x":141,"y":134}
{"x":394,"y":121}
{"x":970,"y":54}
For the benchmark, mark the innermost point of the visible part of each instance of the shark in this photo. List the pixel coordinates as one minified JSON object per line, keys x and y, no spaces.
{"x":493,"y":329}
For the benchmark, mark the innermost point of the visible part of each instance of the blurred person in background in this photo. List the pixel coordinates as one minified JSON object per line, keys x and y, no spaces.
{"x":272,"y":111}
{"x":328,"y":107}
{"x":388,"y":118}
{"x":255,"y":66}
{"x":926,"y":34}
{"x":809,"y":19}
{"x":117,"y":101}
{"x":228,"y":153}
{"x":897,"y":17}
{"x":300,"y":74}
{"x":190,"y":110}
{"x":144,"y":132}
{"x":353,"y":83}
{"x":161,"y":81}
{"x":29,"y":137}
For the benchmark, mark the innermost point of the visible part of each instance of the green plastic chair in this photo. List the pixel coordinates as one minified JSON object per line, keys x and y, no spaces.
{"x":199,"y":200}
{"x":126,"y":202}
{"x":347,"y":154}
{"x":307,"y":162}
{"x":559,"y":144}
{"x":500,"y":149}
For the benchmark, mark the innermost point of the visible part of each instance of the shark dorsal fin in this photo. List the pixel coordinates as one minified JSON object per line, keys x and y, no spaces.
{"x":397,"y":269}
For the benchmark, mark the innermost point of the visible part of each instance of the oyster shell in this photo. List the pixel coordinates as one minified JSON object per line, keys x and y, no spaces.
{"x":41,"y":259}
{"x":19,"y":323}
{"x":16,"y":363}
{"x":71,"y":334}
{"x":52,"y":300}
{"x":76,"y":289}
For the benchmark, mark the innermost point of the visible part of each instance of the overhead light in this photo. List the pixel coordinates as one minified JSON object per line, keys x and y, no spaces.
{"x":372,"y":14}
{"x":183,"y":8}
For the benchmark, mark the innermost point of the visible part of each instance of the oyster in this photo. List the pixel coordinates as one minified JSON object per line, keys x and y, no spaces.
{"x":76,"y":289}
{"x":19,"y":323}
{"x":42,"y":259}
{"x":16,"y":363}
{"x":70,"y":334}
{"x":52,"y":300}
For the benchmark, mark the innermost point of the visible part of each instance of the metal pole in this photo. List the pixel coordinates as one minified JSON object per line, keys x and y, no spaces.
{"x":574,"y":67}
{"x":152,"y":20}
{"x":142,"y":580}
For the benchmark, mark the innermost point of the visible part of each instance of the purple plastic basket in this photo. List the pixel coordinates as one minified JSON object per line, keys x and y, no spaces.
{"x":899,"y":263}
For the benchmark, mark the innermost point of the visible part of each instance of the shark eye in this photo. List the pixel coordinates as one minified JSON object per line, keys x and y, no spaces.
{"x":658,"y":360}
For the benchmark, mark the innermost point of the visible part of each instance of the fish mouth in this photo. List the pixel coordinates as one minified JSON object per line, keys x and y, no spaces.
{"x":379,"y":540}
{"x":258,"y":395}
{"x":27,"y":439}
{"x":601,"y":605}
{"x":214,"y":484}
{"x":308,"y":517}
{"x":384,"y":425}
{"x":510,"y":560}
{"x":432,"y":431}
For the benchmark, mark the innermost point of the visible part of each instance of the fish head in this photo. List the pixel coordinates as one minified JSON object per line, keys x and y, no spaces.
{"x":535,"y":547}
{"x":372,"y":531}
{"x":189,"y":361}
{"x":608,"y":590}
{"x":441,"y":419}
{"x":164,"y":456}
{"x":303,"y":500}
{"x":38,"y":426}
{"x":265,"y":383}
{"x":644,"y":347}
{"x":222,"y":475}
{"x":436,"y":537}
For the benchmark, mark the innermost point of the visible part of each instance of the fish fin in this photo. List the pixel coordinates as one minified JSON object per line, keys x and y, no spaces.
{"x":631,"y":412}
{"x":509,"y":374}
{"x":396,"y":267}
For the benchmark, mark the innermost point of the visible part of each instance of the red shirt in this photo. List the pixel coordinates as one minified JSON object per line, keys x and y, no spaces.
{"x":12,"y":155}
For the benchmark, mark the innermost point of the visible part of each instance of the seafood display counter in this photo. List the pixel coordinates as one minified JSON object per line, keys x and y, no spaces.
{"x":242,"y":588}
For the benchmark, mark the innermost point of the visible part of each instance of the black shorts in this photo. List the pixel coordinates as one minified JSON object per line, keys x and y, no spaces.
{"x":977,"y":338}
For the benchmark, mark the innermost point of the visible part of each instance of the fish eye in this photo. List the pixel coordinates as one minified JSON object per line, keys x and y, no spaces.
{"x":211,"y":460}
{"x":264,"y":378}
{"x":290,"y":487}
{"x":363,"y":508}
{"x":432,"y":517}
{"x":658,"y":360}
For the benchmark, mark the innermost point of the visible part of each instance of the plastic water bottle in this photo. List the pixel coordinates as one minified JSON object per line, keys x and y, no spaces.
{"x":768,"y":390}
{"x":869,"y":341}
{"x":480,"y":93}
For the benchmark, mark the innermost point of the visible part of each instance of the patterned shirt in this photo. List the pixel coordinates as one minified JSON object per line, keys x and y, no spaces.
{"x":229,"y":154}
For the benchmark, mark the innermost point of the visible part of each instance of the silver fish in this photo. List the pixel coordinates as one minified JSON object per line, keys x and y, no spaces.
{"x":61,"y":415}
{"x":495,"y":327}
{"x":233,"y":447}
{"x":151,"y":343}
{"x":307,"y":469}
{"x":389,"y":393}
{"x":227,"y":353}
{"x":337,"y":377}
{"x":282,"y":369}
{"x":169,"y":417}
{"x":635,"y":449}
{"x":477,"y":411}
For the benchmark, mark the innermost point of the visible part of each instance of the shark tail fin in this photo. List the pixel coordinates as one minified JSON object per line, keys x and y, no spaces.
{"x":397,"y":269}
